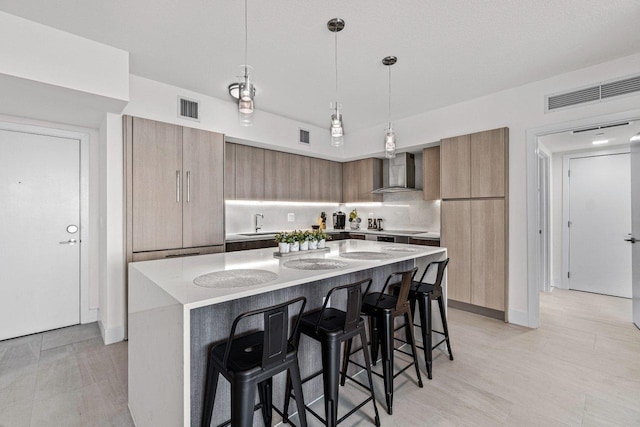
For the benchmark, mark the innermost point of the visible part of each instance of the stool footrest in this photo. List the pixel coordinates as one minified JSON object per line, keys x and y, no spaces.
{"x":310,"y":377}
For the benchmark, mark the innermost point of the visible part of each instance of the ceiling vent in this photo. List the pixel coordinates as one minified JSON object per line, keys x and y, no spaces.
{"x":305,"y":137}
{"x":593,"y":94}
{"x":188,"y":109}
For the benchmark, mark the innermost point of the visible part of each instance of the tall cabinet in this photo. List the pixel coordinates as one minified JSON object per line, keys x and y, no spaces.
{"x":174,"y":190}
{"x":474,"y":220}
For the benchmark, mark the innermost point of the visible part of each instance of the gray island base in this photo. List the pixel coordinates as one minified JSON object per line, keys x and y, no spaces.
{"x":172,"y":322}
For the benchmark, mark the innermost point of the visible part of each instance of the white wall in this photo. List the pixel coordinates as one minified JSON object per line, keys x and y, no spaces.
{"x":519,"y":109}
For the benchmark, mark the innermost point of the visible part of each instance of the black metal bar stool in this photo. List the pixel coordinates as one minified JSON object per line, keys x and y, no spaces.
{"x":423,"y":294}
{"x":382,"y":309}
{"x":331,"y":327}
{"x":250,"y":361}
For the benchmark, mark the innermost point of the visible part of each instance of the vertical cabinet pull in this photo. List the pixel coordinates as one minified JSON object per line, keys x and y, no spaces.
{"x":188,"y":186}
{"x":177,"y":186}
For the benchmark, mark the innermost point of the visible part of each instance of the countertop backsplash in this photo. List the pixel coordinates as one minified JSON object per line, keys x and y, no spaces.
{"x":400,"y":211}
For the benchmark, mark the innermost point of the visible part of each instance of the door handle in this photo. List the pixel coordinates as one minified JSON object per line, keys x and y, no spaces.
{"x":631,"y":239}
{"x":188,"y":186}
{"x":177,"y":186}
{"x":69,"y":242}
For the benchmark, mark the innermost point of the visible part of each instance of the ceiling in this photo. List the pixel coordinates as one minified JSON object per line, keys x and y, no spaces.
{"x":447,"y":52}
{"x":568,"y":141}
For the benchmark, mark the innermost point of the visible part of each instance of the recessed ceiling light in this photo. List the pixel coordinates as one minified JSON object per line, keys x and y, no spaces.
{"x":600,"y":141}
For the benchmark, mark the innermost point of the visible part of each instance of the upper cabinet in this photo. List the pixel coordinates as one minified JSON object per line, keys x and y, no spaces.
{"x":431,"y":173}
{"x":474,"y":166}
{"x":277,"y":167}
{"x":174,"y":180}
{"x":360,"y":178}
{"x":229,"y":171}
{"x":299,"y":177}
{"x":249,"y":170}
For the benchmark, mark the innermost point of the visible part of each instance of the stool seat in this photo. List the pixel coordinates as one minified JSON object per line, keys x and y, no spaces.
{"x":332,"y":322}
{"x":246,"y":353}
{"x":376,"y":301}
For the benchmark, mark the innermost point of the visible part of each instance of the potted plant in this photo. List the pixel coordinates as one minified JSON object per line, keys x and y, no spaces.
{"x":303,"y":238}
{"x":283,"y":244}
{"x":313,"y":239}
{"x":322,"y":238}
{"x":292,"y":239}
{"x":354,"y":220}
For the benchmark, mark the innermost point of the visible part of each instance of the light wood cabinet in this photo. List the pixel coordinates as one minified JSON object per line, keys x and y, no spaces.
{"x":249,"y":173}
{"x":334,"y":182}
{"x":229,"y":171}
{"x":489,"y":156}
{"x":360,"y":178}
{"x":455,"y":235}
{"x":174,"y":187}
{"x":455,"y":173}
{"x":277,"y":183}
{"x":431,"y":173}
{"x":299,"y":177}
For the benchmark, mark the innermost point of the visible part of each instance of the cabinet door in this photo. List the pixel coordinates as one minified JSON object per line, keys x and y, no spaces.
{"x":249,"y":173}
{"x":203,"y":201}
{"x":350,"y":182}
{"x":334,"y":182}
{"x":319,"y":177}
{"x":455,"y":168}
{"x":229,"y":171}
{"x":431,"y":173}
{"x":488,"y":255}
{"x":456,"y":237}
{"x":156,"y":186}
{"x":276,"y":175}
{"x":489,"y":163}
{"x":300,"y":178}
{"x":369,"y":178}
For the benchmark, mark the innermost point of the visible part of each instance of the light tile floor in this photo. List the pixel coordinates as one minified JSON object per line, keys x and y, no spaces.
{"x":581,"y":367}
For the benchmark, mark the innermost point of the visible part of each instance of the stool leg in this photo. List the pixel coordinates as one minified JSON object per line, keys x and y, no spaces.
{"x":330,"y":374}
{"x":265,"y":393}
{"x":296,"y":381}
{"x":374,"y":334}
{"x":387,"y":359}
{"x":445,"y":329}
{"x":209,"y":395}
{"x":409,"y":319}
{"x":243,"y":396}
{"x":425,"y":326}
{"x":345,"y":359}
{"x":287,"y":399}
{"x":367,"y":363}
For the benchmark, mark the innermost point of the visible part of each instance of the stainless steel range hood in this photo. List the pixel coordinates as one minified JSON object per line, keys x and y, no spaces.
{"x":401,"y":172}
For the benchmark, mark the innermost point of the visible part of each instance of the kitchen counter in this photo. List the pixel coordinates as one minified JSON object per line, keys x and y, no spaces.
{"x":427,"y":235}
{"x":172,"y":322}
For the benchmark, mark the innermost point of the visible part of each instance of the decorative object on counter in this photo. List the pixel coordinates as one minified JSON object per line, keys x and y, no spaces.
{"x":389,"y":134}
{"x":323,"y":220}
{"x":315,"y":264}
{"x":322,"y":238}
{"x":244,"y":91}
{"x":294,"y":244}
{"x":315,"y":227}
{"x":303,"y":238}
{"x":398,"y":249}
{"x":354,"y":220}
{"x":336,"y":25}
{"x":339,"y":220}
{"x":366,"y":255}
{"x":283,"y":242}
{"x":235,"y":278}
{"x":374,"y":224}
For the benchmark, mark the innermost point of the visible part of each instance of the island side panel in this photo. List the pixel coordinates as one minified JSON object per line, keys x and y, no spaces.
{"x":156,"y":355}
{"x":212,"y":324}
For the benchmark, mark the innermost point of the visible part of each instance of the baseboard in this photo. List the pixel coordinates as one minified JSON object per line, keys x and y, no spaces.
{"x":111,"y":335}
{"x":519,"y":317}
{"x":489,"y":312}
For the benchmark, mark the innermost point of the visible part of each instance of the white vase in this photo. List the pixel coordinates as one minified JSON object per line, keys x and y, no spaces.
{"x":304,"y":245}
{"x":321,"y":243}
{"x":294,"y":247}
{"x":313,"y":244}
{"x":283,"y":247}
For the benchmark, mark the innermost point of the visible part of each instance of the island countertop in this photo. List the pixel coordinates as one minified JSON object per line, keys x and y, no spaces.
{"x":175,"y":276}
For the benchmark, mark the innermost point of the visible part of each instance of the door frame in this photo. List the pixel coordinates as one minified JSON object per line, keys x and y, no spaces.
{"x":566,"y":212}
{"x":543,"y":220}
{"x":531,"y":137}
{"x":87,"y":314}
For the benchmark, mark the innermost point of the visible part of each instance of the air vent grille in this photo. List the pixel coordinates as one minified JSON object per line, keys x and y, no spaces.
{"x":188,"y":109}
{"x":592,"y":94}
{"x":305,"y":137}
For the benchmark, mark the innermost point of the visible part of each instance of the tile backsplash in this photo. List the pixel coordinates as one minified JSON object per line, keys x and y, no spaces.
{"x":406,"y":211}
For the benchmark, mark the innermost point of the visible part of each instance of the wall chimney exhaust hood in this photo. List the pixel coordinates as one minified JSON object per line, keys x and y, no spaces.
{"x":401,"y":173}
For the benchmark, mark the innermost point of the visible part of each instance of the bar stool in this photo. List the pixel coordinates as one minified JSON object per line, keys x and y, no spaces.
{"x":250,"y":361}
{"x":382,"y":309}
{"x":424,"y":293}
{"x":331,"y":327}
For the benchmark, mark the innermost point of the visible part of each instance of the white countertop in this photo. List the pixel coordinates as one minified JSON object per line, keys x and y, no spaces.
{"x":237,"y":237}
{"x":175,"y":276}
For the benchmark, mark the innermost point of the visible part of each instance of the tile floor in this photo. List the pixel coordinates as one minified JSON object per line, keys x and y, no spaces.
{"x":580,"y":368}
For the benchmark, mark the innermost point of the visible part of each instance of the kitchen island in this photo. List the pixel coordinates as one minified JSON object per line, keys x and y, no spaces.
{"x":172,"y":321}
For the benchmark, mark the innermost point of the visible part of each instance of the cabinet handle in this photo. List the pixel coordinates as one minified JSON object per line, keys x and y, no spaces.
{"x":188,"y":186}
{"x":182,"y":255}
{"x":177,"y":186}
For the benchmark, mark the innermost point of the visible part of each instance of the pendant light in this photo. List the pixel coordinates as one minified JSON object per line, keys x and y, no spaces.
{"x":244,"y":91}
{"x":389,"y":134}
{"x":337,"y":128}
{"x":635,"y":138}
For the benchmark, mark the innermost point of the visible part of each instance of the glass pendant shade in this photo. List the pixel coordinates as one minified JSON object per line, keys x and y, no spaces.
{"x":389,"y":143}
{"x":246,"y":93}
{"x":337,"y":128}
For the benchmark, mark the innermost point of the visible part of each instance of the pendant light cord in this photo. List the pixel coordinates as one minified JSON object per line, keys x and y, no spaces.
{"x":389,"y":96}
{"x":246,"y":37}
{"x":336,"y":46}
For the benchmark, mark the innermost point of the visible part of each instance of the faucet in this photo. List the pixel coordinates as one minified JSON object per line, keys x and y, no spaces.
{"x":258,"y":227}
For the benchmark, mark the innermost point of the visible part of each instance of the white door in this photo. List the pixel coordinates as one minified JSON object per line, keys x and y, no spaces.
{"x":600,"y":216}
{"x":634,"y":239}
{"x":40,"y":263}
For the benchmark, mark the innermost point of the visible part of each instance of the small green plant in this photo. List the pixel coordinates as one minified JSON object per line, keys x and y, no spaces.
{"x":353,"y":215}
{"x":282,"y":237}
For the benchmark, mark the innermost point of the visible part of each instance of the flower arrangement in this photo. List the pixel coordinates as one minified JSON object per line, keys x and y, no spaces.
{"x":299,"y":240}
